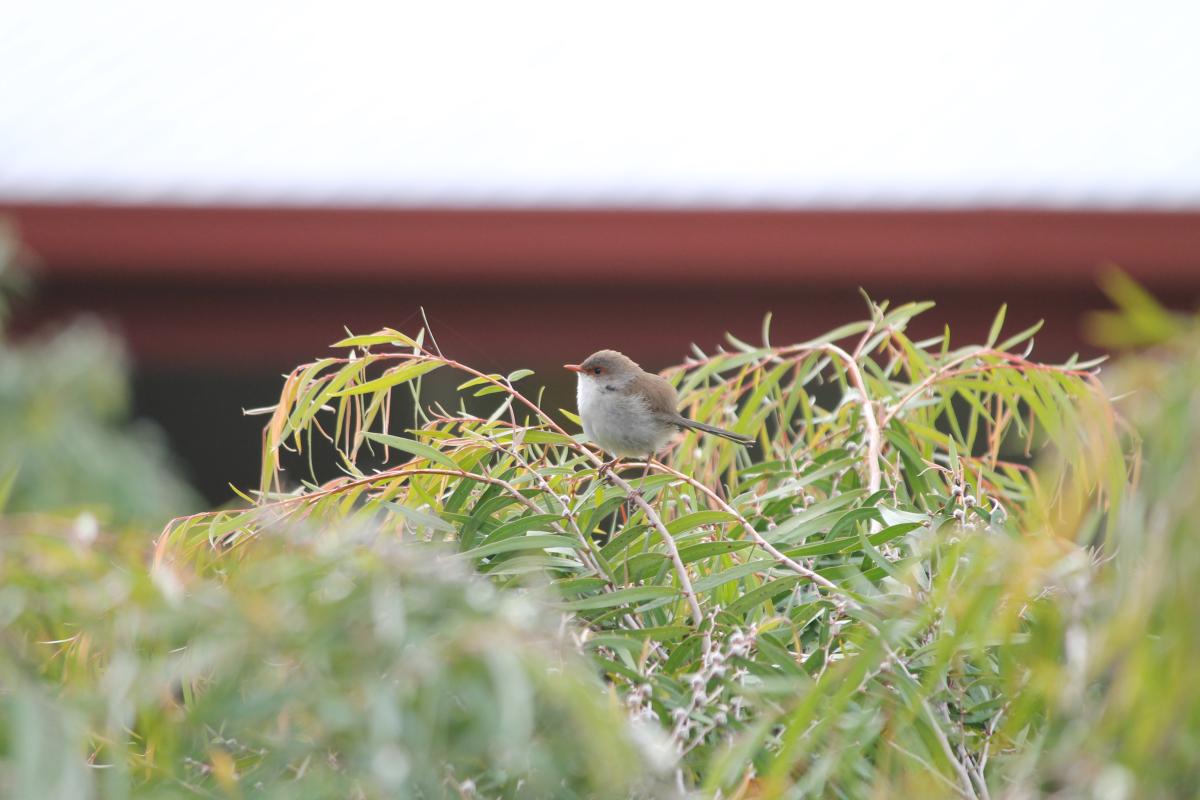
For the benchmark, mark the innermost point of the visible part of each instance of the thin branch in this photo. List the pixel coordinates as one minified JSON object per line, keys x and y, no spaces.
{"x":949,"y":370}
{"x":964,"y":778}
{"x":930,"y":768}
{"x":758,"y":538}
{"x":591,"y":555}
{"x":874,"y":442}
{"x":343,"y":486}
{"x":429,"y":329}
{"x":685,"y":581}
{"x":870,"y":418}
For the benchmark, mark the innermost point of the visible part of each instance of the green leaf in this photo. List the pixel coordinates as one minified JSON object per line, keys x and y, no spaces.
{"x":517,"y":375}
{"x":521,"y":525}
{"x":1015,"y":340}
{"x":530,"y":564}
{"x":385,"y":336}
{"x":839,"y":333}
{"x":363,"y":340}
{"x":491,"y":389}
{"x":819,"y":515}
{"x":896,"y":516}
{"x":696,"y":552}
{"x":392,"y":377}
{"x":478,"y":380}
{"x":517,"y":543}
{"x":628,"y":535}
{"x":421,"y":518}
{"x":697,"y":518}
{"x":621,"y":597}
{"x":997,"y":325}
{"x":418,"y":449}
{"x":710,"y":582}
{"x":570,"y":587}
{"x":901,"y":315}
{"x":768,"y":591}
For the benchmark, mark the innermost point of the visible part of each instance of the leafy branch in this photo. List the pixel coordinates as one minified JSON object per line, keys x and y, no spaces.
{"x":824,"y":542}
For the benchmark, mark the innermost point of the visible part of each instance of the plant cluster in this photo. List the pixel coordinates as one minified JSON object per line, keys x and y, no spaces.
{"x":792,"y":615}
{"x":883,"y":597}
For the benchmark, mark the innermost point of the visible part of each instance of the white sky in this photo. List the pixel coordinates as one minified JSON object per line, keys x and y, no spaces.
{"x":653,"y":102}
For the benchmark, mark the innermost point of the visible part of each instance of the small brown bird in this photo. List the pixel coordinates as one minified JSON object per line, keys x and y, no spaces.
{"x":628,"y":411}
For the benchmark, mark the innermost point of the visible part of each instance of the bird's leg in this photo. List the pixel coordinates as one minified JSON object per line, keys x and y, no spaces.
{"x":607,"y":466}
{"x":603,"y":470}
{"x":645,"y":474}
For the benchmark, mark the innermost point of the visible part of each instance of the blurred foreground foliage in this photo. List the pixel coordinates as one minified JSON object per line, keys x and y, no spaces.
{"x":306,"y":669}
{"x":66,"y":443}
{"x":882,"y":598}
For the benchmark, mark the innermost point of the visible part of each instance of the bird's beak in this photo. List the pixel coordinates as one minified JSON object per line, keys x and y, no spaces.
{"x":573,"y":367}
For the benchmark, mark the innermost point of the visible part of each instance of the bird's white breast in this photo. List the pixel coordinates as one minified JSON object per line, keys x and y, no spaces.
{"x":619,"y":421}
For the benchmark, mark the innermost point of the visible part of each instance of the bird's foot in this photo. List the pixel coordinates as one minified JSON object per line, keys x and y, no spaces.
{"x":607,"y":467}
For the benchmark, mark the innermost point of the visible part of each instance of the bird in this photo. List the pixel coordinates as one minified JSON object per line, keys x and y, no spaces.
{"x":629,"y":412}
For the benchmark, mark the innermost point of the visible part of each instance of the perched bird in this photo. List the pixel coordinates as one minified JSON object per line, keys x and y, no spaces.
{"x":628,"y":411}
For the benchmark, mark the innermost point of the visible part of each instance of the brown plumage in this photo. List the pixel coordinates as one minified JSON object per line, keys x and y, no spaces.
{"x":631,"y":412}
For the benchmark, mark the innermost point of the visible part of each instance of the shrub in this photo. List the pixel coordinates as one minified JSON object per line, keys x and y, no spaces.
{"x":305,"y":669}
{"x":883,"y":597}
{"x":837,"y":610}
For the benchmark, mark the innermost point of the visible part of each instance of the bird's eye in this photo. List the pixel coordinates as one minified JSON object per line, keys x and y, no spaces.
{"x":597,"y":370}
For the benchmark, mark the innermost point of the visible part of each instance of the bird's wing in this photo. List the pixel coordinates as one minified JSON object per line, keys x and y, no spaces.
{"x":661,"y":397}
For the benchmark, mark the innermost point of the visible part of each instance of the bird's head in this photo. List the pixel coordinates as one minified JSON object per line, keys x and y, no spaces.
{"x":608,"y":366}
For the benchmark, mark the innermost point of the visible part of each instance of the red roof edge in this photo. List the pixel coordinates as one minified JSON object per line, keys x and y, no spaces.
{"x":573,"y":247}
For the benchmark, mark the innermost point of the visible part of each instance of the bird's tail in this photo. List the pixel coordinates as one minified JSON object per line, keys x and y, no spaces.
{"x":715,"y":431}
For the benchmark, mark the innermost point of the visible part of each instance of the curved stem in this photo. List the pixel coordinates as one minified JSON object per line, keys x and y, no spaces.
{"x":685,"y":580}
{"x":874,"y":441}
{"x":758,"y":538}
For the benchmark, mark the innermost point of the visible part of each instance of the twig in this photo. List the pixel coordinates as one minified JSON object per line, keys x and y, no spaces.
{"x":591,"y":555}
{"x":429,"y":329}
{"x":874,"y":443}
{"x":870,"y":418}
{"x":964,"y":778}
{"x":342,"y":486}
{"x":758,"y":538}
{"x":685,"y":581}
{"x":930,"y":768}
{"x":949,"y":370}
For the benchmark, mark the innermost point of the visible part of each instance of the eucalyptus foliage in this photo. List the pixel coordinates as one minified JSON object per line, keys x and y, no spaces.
{"x":307,"y":669}
{"x":842,"y":609}
{"x":943,"y":570}
{"x":1110,"y":663}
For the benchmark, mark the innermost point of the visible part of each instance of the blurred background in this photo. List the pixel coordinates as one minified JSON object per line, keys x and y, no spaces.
{"x":228,"y":187}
